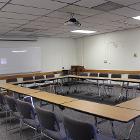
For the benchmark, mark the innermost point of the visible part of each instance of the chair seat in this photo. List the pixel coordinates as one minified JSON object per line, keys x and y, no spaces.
{"x":16,"y":114}
{"x":56,"y":135}
{"x":102,"y":137}
{"x":31,"y":122}
{"x":130,"y":87}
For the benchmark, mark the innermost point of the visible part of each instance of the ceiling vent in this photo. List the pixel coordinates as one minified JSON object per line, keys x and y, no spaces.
{"x":108,"y":6}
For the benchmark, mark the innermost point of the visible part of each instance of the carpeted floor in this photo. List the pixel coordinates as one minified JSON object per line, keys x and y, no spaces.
{"x":87,"y":92}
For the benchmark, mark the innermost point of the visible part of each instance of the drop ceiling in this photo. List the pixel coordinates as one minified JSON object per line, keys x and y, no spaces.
{"x":43,"y":18}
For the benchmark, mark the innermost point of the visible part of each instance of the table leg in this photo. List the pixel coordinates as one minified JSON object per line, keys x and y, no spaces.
{"x":113,"y":130}
{"x":130,"y":131}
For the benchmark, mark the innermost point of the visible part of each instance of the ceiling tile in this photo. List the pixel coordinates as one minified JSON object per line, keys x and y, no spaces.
{"x":18,"y":33}
{"x":103,"y":18}
{"x":16,"y":21}
{"x":67,"y":1}
{"x":125,"y":2}
{"x":3,"y":31}
{"x":25,"y":10}
{"x":7,"y":25}
{"x":130,"y":22}
{"x":45,"y":24}
{"x":90,"y":3}
{"x":80,"y":10}
{"x":34,"y":26}
{"x":1,"y":4}
{"x":135,"y":6}
{"x":64,"y":15}
{"x":17,"y":16}
{"x":47,"y":4}
{"x":4,"y":1}
{"x":126,"y":12}
{"x":51,"y":19}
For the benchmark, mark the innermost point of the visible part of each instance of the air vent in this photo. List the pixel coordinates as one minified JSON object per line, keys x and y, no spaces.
{"x":108,"y":6}
{"x":28,"y":30}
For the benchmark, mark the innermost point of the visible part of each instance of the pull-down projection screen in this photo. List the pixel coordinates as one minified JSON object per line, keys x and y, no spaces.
{"x":20,"y":60}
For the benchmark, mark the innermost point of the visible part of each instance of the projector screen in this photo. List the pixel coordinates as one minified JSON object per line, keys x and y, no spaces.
{"x":20,"y":60}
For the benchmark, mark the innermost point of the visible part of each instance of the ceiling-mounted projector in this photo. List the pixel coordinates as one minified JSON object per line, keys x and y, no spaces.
{"x":72,"y":22}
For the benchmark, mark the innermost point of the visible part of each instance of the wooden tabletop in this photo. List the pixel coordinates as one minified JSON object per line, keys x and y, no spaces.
{"x":36,"y":80}
{"x":103,"y":111}
{"x":53,"y":98}
{"x":106,"y":78}
{"x":133,"y":104}
{"x":18,"y":89}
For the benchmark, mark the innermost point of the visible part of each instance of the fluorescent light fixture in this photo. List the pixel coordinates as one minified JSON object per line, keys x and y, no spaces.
{"x":22,"y":51}
{"x":137,"y":17}
{"x":83,"y":31}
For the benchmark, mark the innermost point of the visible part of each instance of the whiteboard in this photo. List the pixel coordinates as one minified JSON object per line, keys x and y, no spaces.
{"x":20,"y":60}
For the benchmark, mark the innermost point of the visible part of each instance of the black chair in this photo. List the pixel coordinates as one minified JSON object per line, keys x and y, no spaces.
{"x":116,"y":75}
{"x":115,"y":83}
{"x":41,"y":78}
{"x":103,"y":75}
{"x":29,"y":99}
{"x":50,"y":127}
{"x":27,"y":116}
{"x":133,"y":76}
{"x":94,"y":81}
{"x":11,"y":80}
{"x":79,"y":130}
{"x":50,"y":76}
{"x":83,"y":74}
{"x":31,"y":84}
{"x":28,"y":78}
{"x":93,"y":74}
{"x":12,"y":106}
{"x":132,"y":86}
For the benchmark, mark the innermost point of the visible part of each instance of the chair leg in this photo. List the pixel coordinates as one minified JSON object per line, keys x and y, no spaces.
{"x":20,"y":131}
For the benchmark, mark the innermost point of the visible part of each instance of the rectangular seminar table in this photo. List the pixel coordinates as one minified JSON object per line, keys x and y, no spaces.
{"x":53,"y":98}
{"x":133,"y":104}
{"x":108,"y":112}
{"x":18,"y":89}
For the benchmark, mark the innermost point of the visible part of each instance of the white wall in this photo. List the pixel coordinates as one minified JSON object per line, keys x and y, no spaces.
{"x":117,"y":48}
{"x":55,"y":52}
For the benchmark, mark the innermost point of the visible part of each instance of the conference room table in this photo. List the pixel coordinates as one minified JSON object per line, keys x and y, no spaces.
{"x":59,"y":80}
{"x":133,"y":104}
{"x":112,"y":113}
{"x":18,"y":89}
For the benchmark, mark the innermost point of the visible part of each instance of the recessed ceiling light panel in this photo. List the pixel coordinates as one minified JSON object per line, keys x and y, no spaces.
{"x":137,"y":17}
{"x":83,"y":31}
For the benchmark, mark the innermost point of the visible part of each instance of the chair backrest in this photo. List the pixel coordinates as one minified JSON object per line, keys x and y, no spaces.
{"x":77,"y":130}
{"x":11,"y":80}
{"x":50,"y":76}
{"x":133,"y":76}
{"x":93,"y":74}
{"x":11,"y":102}
{"x":25,"y":109}
{"x":83,"y":74}
{"x":2,"y":100}
{"x":103,"y":74}
{"x":47,"y":119}
{"x":39,"y":77}
{"x":116,"y":75}
{"x":29,"y":99}
{"x":28,"y":78}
